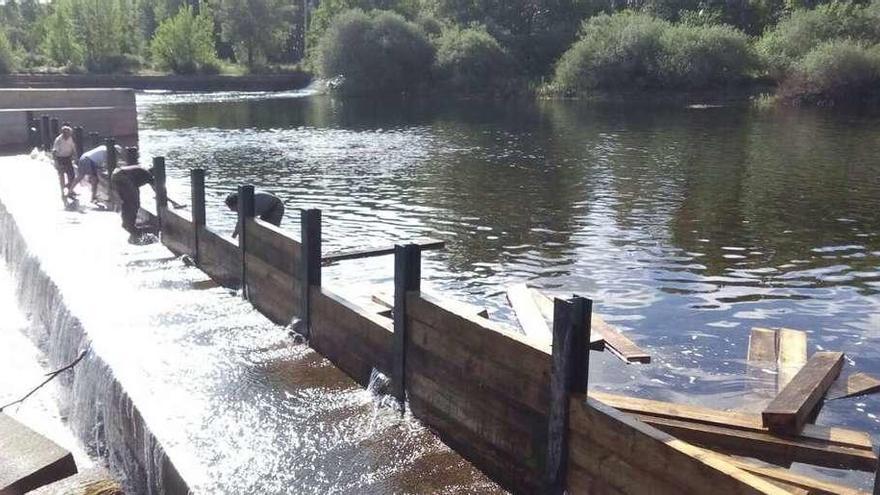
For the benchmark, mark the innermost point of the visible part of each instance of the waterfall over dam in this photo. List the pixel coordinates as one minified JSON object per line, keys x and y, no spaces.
{"x":188,"y":390}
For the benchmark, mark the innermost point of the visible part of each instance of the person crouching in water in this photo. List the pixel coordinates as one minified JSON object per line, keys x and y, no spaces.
{"x":267,"y":208}
{"x":127,"y":182}
{"x":90,"y":165}
{"x":64,"y":153}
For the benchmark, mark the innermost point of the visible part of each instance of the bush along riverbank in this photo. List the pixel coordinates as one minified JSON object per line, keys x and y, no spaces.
{"x":826,"y":55}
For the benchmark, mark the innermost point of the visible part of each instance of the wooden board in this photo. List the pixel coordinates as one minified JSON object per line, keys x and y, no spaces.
{"x":791,"y":355}
{"x":790,"y":410}
{"x":273,"y":292}
{"x":527,"y":312}
{"x":602,"y":334}
{"x":219,"y":258}
{"x":354,"y":254}
{"x":812,"y":486}
{"x":854,"y":385}
{"x":762,"y":346}
{"x":386,"y":300}
{"x":274,"y":246}
{"x":613,"y":453}
{"x":177,"y":233}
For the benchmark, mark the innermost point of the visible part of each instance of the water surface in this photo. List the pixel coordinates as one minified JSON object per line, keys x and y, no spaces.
{"x":686,"y":225}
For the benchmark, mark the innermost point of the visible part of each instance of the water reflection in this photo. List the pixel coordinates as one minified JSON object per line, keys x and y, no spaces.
{"x":687,"y":225}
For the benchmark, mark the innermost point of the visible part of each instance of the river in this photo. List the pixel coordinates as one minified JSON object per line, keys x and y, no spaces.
{"x":687,"y":225}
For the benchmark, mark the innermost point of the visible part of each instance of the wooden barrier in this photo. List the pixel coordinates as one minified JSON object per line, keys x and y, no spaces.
{"x":219,"y":258}
{"x":176,"y":232}
{"x":271,"y":262}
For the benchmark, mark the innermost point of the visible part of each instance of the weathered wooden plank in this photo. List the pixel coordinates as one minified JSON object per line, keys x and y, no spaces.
{"x":387,"y":300}
{"x":854,"y":385}
{"x":762,"y":345}
{"x":765,"y":446}
{"x":177,"y":232}
{"x":527,"y":312}
{"x":733,"y":419}
{"x":790,"y":410}
{"x":407,"y":279}
{"x":646,"y":451}
{"x":219,"y":258}
{"x":791,"y":355}
{"x":309,"y":268}
{"x":273,"y":292}
{"x":602,"y":336}
{"x":354,"y":254}
{"x":810,"y":485}
{"x":273,"y":245}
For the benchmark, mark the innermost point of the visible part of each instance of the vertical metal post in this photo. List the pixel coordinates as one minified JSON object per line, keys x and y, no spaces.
{"x":568,"y":375}
{"x":79,"y":140}
{"x":310,"y":225}
{"x":45,"y":132}
{"x":245,"y":211}
{"x":112,"y":159}
{"x":160,"y":178}
{"x":407,"y":278}
{"x":197,"y":192}
{"x":55,"y":126}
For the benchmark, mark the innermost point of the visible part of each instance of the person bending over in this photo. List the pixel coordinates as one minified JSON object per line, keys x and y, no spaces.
{"x":267,"y":208}
{"x":64,"y":152}
{"x":90,"y":165}
{"x":127,"y":182}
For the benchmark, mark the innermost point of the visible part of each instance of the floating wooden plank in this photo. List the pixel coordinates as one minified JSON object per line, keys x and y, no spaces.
{"x":527,"y":312}
{"x":790,"y":410}
{"x":387,"y":300}
{"x":762,"y":346}
{"x":854,"y":385}
{"x":603,"y":335}
{"x":791,"y":355}
{"x":810,"y":485}
{"x":743,"y":433}
{"x":354,"y":254}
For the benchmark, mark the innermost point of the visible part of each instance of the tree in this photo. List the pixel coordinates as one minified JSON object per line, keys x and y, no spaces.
{"x":102,"y":24}
{"x":7,"y":56}
{"x":185,"y":43}
{"x":255,"y":27}
{"x":61,"y":43}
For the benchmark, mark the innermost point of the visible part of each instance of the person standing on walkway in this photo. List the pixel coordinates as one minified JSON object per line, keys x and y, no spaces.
{"x":90,"y":165}
{"x":64,"y":152}
{"x":127,"y":182}
{"x":267,"y":207}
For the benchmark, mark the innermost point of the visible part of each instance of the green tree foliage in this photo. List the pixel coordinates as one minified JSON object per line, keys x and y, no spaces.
{"x":835,"y":71}
{"x":380,"y":52}
{"x":796,"y":35}
{"x":636,"y":50}
{"x":255,"y":27}
{"x":7,"y":55}
{"x":471,"y":61}
{"x":62,"y":44}
{"x":184,"y":43}
{"x":104,"y":29}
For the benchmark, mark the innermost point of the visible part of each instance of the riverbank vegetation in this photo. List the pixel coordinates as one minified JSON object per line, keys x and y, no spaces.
{"x":811,"y":50}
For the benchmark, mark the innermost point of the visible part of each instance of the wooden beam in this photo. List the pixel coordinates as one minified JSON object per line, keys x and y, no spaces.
{"x":854,"y":385}
{"x":790,"y":410}
{"x":570,"y":362}
{"x":197,"y":195}
{"x":762,"y":346}
{"x":791,"y":355}
{"x":245,"y":211}
{"x":812,"y":486}
{"x":355,"y":254}
{"x":310,"y":261}
{"x":527,"y":312}
{"x":407,"y":278}
{"x":387,"y":300}
{"x":603,"y":335}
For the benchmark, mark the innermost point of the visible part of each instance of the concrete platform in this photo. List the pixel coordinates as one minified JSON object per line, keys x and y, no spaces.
{"x":90,"y":481}
{"x":29,"y":460}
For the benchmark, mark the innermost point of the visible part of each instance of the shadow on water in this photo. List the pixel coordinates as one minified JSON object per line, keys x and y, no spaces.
{"x":688,"y":225}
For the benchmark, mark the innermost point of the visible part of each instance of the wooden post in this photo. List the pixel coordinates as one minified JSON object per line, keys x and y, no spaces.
{"x":245,"y":211}
{"x":310,"y":225}
{"x":34,"y":138}
{"x":570,"y":364}
{"x":45,"y":132}
{"x":110,"y":143}
{"x":79,"y":140}
{"x":159,"y":178}
{"x":197,"y":191}
{"x":94,"y":139}
{"x":55,"y":126}
{"x":407,"y":278}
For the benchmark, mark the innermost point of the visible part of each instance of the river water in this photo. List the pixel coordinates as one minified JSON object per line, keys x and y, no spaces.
{"x":687,"y":224}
